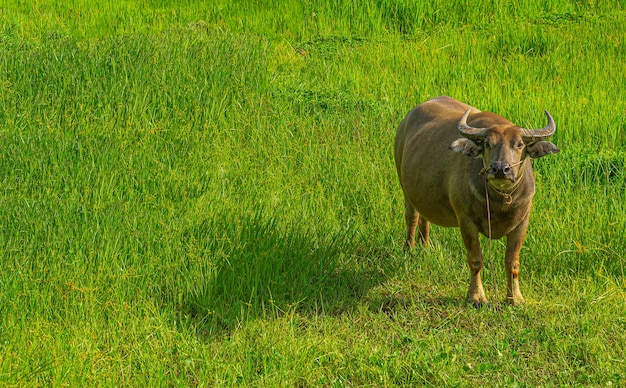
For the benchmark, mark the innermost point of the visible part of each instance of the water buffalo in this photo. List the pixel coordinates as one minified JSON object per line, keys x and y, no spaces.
{"x":456,"y":165}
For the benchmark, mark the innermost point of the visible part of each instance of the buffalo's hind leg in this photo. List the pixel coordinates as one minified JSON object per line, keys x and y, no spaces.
{"x":413,"y":220}
{"x":424,"y":230}
{"x":411,"y":216}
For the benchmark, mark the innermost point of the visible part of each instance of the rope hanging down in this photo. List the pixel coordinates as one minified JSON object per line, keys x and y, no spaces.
{"x":495,"y":282}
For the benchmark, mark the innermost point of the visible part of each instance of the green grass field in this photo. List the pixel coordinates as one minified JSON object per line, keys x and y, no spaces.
{"x":200,"y":194}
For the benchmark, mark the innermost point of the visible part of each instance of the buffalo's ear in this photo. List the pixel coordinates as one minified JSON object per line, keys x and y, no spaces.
{"x":541,"y":148}
{"x":467,"y":147}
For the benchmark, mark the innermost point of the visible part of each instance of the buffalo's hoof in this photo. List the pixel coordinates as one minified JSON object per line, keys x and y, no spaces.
{"x":515,"y":301}
{"x":479,"y":305}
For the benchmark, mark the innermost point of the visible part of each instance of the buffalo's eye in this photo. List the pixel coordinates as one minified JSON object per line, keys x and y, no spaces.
{"x":519,"y":145}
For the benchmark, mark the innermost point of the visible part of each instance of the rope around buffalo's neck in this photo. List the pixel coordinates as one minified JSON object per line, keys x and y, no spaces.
{"x":507,"y":197}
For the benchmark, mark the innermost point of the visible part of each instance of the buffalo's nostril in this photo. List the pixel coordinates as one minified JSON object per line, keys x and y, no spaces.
{"x":506,"y":170}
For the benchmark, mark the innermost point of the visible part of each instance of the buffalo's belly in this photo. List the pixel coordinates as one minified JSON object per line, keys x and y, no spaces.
{"x":425,"y":185}
{"x":439,"y":219}
{"x":436,"y":210}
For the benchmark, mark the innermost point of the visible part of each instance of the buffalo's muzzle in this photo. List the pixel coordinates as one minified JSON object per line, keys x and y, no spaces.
{"x":500,"y":170}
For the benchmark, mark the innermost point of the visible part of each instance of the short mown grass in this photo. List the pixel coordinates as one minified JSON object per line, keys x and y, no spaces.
{"x":204,"y":194}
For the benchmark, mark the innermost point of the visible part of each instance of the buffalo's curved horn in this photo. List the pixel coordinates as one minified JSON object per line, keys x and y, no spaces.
{"x":533,"y":135}
{"x":470,"y":132}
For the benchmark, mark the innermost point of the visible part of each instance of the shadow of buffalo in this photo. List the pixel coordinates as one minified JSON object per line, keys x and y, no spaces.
{"x":253,"y":267}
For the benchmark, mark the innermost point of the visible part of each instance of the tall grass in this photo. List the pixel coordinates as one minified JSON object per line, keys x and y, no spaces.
{"x":204,"y":192}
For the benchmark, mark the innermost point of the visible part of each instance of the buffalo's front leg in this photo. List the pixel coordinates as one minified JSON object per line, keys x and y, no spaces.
{"x":514,"y":242}
{"x":475,"y":293}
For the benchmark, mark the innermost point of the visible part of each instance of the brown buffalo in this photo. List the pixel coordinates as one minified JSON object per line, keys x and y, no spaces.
{"x":448,"y":154}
